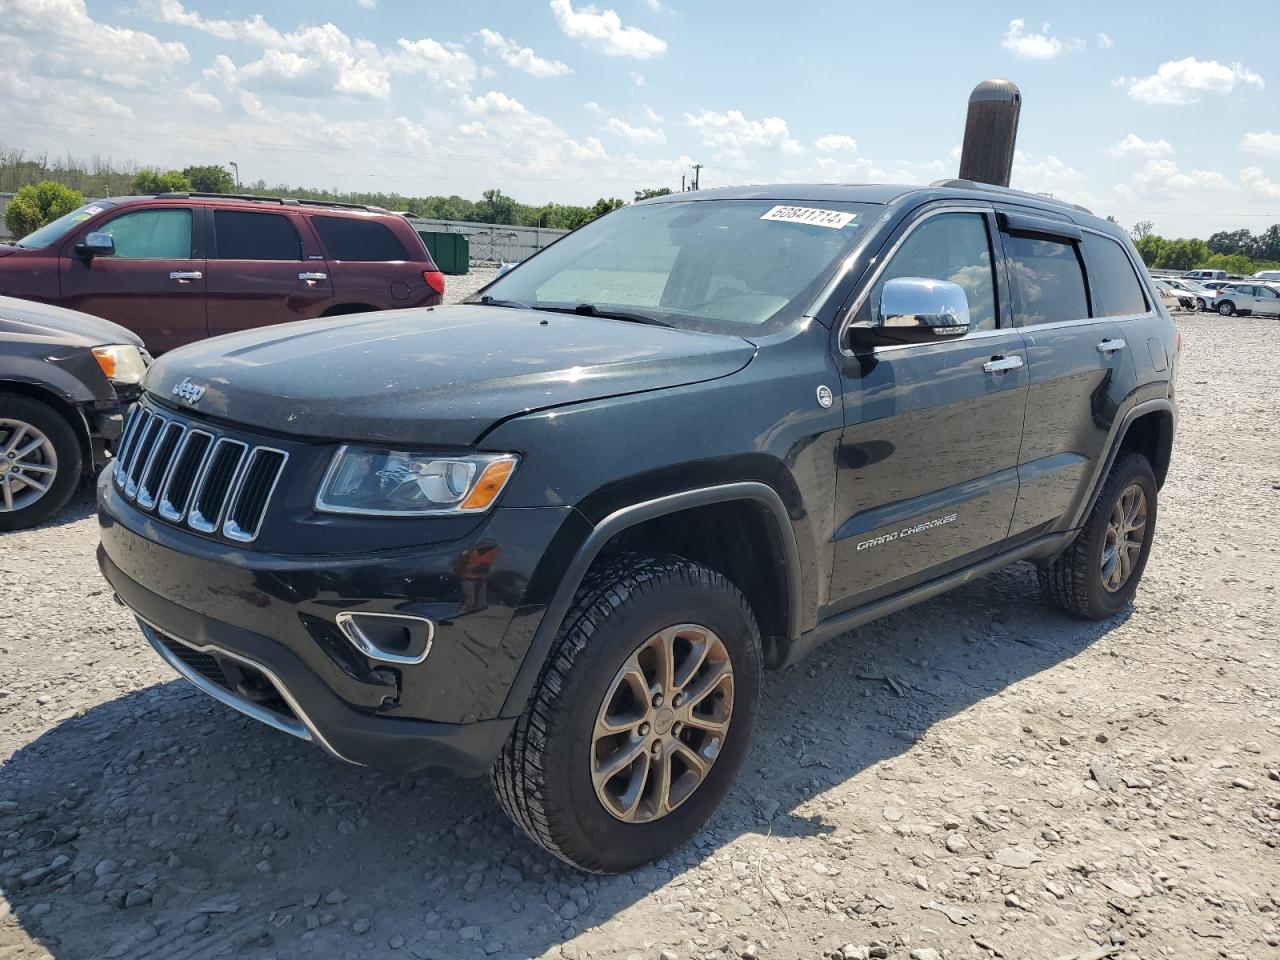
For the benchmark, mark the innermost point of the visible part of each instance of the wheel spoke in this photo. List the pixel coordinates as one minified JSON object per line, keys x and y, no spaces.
{"x":30,"y":448}
{"x":697,"y":763}
{"x":34,"y":484}
{"x":707,"y":683}
{"x":664,"y":661}
{"x":625,"y":757}
{"x":635,"y":790}
{"x":632,"y":678}
{"x":700,"y":648}
{"x":700,"y":721}
{"x":38,"y":468}
{"x":660,"y":795}
{"x":20,"y":431}
{"x":8,"y":495}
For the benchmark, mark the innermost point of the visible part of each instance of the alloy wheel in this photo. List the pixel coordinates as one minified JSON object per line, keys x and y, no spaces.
{"x":662,"y":724}
{"x":28,"y":464}
{"x":1122,"y":543}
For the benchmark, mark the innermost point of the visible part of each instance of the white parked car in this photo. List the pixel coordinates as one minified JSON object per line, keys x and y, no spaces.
{"x":1267,"y":275}
{"x":1201,"y":296}
{"x":1173,"y":298}
{"x":1259,"y":299}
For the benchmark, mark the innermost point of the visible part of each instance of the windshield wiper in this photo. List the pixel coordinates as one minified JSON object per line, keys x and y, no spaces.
{"x":591,"y":310}
{"x":489,"y":301}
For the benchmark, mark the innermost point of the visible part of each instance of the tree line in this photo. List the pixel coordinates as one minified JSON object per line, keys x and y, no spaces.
{"x":101,"y":177}
{"x":1235,"y":251}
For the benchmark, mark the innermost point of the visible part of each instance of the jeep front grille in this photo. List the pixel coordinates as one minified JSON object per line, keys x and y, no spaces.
{"x":191,"y":476}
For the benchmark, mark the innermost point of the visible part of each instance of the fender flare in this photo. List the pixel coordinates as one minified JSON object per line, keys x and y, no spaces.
{"x":630,"y":516}
{"x":1160,"y":404}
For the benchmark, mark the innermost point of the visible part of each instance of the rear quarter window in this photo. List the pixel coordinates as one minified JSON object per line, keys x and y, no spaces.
{"x":1117,"y":292}
{"x":352,"y":238}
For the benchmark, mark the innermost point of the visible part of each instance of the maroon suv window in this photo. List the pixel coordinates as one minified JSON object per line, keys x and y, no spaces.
{"x":351,"y":238}
{"x":244,"y":235}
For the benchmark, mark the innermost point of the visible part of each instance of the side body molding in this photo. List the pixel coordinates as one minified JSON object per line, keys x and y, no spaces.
{"x":630,"y":516}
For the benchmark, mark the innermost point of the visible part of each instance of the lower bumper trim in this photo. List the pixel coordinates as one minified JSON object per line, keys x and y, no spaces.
{"x":301,"y":727}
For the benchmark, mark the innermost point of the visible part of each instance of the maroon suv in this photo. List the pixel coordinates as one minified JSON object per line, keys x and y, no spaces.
{"x":180,"y":267}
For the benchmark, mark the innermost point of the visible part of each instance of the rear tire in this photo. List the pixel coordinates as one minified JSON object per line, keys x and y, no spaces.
{"x":1098,"y":574}
{"x":1226,"y":308}
{"x":550,"y":777}
{"x":37,"y":448}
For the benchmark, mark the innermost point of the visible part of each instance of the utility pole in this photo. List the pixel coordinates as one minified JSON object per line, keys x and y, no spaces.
{"x":697,"y":175}
{"x":236,"y":167}
{"x":682,"y":186}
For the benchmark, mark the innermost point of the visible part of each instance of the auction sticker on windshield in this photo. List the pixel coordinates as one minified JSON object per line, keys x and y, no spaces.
{"x":811,"y":215}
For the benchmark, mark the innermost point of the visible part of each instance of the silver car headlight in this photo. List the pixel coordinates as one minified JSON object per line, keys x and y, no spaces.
{"x":122,"y":362}
{"x":394,"y":483}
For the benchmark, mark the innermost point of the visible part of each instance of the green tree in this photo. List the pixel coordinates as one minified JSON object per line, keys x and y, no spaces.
{"x":1230,"y":262}
{"x":1232,"y":241}
{"x":650,"y":192}
{"x":1140,"y":229}
{"x":1267,"y":244}
{"x":151,"y":180}
{"x":37,"y":204}
{"x":210,"y":179}
{"x":496,"y":207}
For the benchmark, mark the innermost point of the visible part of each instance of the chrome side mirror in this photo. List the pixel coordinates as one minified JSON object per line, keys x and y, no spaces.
{"x":917,"y":310}
{"x":96,"y":245}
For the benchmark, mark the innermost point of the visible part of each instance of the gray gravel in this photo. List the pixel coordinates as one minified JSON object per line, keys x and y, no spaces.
{"x":1028,"y":785}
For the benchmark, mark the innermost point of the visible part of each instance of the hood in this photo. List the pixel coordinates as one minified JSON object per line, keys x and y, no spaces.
{"x":56,"y":323}
{"x":440,"y":375}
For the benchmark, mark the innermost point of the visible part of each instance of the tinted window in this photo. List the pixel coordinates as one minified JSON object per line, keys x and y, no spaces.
{"x":1047,"y":277}
{"x":242,"y":235}
{"x":1117,"y":291}
{"x":953,"y":247}
{"x":151,"y":234}
{"x":350,"y":238}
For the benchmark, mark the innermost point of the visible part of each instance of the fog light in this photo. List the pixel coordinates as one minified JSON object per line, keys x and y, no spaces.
{"x":389,"y":637}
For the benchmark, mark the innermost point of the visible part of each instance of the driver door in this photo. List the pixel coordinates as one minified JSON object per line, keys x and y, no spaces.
{"x":927,"y":478}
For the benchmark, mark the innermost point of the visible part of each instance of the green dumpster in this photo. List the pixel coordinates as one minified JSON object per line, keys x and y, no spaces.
{"x":450,"y":251}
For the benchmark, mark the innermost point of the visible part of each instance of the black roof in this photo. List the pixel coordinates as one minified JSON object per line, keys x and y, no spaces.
{"x":883,"y":193}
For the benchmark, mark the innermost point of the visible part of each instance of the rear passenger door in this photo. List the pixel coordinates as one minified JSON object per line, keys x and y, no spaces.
{"x":371,"y":267}
{"x":263,"y":268}
{"x":1266,"y":300}
{"x":1081,"y":365}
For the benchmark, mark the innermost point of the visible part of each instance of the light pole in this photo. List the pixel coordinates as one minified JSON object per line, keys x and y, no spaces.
{"x":236,"y":167}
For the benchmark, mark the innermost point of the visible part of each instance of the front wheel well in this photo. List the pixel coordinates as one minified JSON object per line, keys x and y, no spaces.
{"x":342,"y":309}
{"x":738,"y":539}
{"x":1152,"y":436}
{"x":65,"y":410}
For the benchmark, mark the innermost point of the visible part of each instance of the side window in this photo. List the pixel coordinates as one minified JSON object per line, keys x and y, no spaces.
{"x":948,"y":246}
{"x":352,"y":238}
{"x":245,"y":235}
{"x":1047,"y":280}
{"x":152,"y":234}
{"x":1117,"y":292}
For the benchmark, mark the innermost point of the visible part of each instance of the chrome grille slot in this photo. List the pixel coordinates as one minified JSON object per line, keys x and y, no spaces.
{"x":129,"y":449}
{"x":176,"y":494}
{"x":248,"y":501}
{"x":126,"y":437}
{"x":215,"y":483}
{"x":161,"y":462}
{"x":141,"y":456}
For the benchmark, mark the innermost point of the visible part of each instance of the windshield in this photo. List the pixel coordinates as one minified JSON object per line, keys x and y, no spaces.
{"x":716,"y":265}
{"x":55,"y":231}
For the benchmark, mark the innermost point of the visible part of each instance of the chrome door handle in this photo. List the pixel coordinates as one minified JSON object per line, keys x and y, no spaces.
{"x":184,"y":275}
{"x":313,"y":277}
{"x":1002,"y":364}
{"x":1111,"y":346}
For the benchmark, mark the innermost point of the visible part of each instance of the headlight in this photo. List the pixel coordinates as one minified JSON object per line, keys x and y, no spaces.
{"x":395,"y":483}
{"x":121,"y":362}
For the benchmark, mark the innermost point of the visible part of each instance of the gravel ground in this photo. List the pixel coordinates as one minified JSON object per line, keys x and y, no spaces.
{"x":978,"y":776}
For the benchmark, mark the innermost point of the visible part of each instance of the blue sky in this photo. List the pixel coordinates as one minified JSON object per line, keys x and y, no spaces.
{"x":1126,"y":109}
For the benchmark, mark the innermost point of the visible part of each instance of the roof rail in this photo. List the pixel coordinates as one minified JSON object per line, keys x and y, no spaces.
{"x":284,"y":201}
{"x":993,"y":188}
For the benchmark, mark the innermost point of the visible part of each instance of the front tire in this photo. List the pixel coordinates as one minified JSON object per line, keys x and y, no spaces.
{"x":1098,"y":574}
{"x":641,"y":717}
{"x":40,"y":462}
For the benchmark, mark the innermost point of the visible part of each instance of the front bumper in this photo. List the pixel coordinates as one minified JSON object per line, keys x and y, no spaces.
{"x":258,"y":631}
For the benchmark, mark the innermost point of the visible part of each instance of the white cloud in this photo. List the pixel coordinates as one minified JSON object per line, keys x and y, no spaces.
{"x":1134,"y":146}
{"x":1253,"y":178}
{"x":636,"y":134}
{"x":521,"y":58}
{"x":637,"y":79}
{"x":651,"y":115}
{"x":1182,"y":81}
{"x":733,"y":131}
{"x":602,"y":31}
{"x":1104,"y":41}
{"x":1165,"y":177}
{"x":368,"y":4}
{"x":58,"y":40}
{"x":836,"y":143}
{"x":1264,"y":142}
{"x":657,"y":6}
{"x":1030,"y":46}
{"x":594,"y":107}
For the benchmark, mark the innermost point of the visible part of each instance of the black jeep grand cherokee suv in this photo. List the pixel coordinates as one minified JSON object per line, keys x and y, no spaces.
{"x":557,"y":532}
